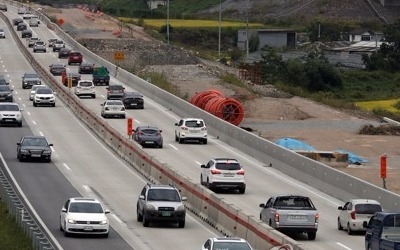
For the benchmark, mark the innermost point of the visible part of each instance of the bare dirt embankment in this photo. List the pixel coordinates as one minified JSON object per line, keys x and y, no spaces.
{"x":270,"y":117}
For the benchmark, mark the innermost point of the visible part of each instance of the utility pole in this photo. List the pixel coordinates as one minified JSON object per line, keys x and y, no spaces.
{"x":247,"y":33}
{"x":168,"y":21}
{"x":219,"y":31}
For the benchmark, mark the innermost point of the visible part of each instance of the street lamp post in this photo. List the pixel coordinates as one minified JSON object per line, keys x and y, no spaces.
{"x":168,"y":21}
{"x":219,"y":30}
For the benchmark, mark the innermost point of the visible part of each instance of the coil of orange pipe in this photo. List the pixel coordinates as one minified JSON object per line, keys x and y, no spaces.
{"x":213,"y":101}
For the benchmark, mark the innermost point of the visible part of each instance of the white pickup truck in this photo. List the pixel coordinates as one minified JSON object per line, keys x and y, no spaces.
{"x":291,"y":214}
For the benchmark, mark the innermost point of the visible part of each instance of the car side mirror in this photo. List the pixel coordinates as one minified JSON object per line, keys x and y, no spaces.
{"x":141,"y":197}
{"x":184,"y":198}
{"x":64,"y":210}
{"x":365,"y":224}
{"x":340,"y":208}
{"x":176,"y":124}
{"x":18,"y":143}
{"x":102,"y":104}
{"x":106,"y":211}
{"x":51,"y":144}
{"x":262,"y":205}
{"x":203,"y":166}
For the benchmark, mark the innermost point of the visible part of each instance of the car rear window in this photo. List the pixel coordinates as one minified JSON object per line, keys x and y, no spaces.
{"x":367,"y":208}
{"x":75,"y":54}
{"x":194,"y":124}
{"x":293,"y":201}
{"x":150,"y":131}
{"x":227,"y":166}
{"x":86,"y":84}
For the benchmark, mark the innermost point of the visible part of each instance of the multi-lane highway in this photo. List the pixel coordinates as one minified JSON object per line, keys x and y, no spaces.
{"x":82,"y":165}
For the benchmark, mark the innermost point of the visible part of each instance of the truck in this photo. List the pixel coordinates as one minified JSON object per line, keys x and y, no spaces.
{"x":383,"y":231}
{"x":291,"y":214}
{"x":101,"y":76}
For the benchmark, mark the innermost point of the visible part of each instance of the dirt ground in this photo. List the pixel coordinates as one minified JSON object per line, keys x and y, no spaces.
{"x":324,"y":128}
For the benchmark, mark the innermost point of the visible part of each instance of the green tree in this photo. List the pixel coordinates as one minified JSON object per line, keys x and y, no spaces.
{"x":321,"y":76}
{"x":272,"y":67}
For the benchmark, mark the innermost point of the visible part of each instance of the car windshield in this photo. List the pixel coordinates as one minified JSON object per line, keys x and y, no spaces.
{"x":367,"y":208}
{"x":194,"y":124}
{"x":163,"y":195}
{"x":230,"y":246}
{"x":227,"y":166}
{"x":85,"y":207}
{"x":9,"y":108}
{"x":31,"y":76}
{"x":4,"y":88}
{"x":34,"y":142}
{"x":44,"y":91}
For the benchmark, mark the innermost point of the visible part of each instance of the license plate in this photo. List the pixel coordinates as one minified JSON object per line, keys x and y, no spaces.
{"x":228,"y":175}
{"x":36,"y":155}
{"x":297,"y":217}
{"x":2,"y":98}
{"x":88,"y":228}
{"x":166,"y":214}
{"x":8,"y":120}
{"x":149,"y":142}
{"x":193,"y":131}
{"x":133,"y":104}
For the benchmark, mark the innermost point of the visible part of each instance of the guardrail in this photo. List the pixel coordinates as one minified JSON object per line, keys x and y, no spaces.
{"x":225,"y":217}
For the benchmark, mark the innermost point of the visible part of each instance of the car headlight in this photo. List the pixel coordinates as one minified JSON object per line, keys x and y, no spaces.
{"x":150,"y":207}
{"x":71,"y":221}
{"x":25,"y":151}
{"x":47,"y":151}
{"x":18,"y":115}
{"x":180,"y":208}
{"x":9,"y":94}
{"x":103,"y":222}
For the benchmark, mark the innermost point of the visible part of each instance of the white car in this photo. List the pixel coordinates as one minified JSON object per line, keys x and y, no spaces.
{"x":34,"y":22}
{"x":39,"y":46}
{"x":84,"y":216}
{"x":223,"y":173}
{"x":113,"y":108}
{"x":33,"y":91}
{"x":21,"y":11}
{"x":355,"y":212}
{"x":191,"y":129}
{"x":226,"y":244}
{"x":10,"y":113}
{"x":44,"y":96}
{"x":2,"y":33}
{"x":85,"y":87}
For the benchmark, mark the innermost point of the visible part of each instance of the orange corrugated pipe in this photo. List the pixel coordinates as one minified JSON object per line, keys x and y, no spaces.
{"x":213,"y":101}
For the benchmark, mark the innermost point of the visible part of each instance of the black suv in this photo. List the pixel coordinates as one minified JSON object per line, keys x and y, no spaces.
{"x":30,"y":79}
{"x":160,"y":203}
{"x":133,"y":100}
{"x":6,"y":93}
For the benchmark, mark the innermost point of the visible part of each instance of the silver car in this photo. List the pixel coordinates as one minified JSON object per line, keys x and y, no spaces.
{"x":226,"y":243}
{"x":10,"y":113}
{"x":113,"y":108}
{"x":148,"y":136}
{"x":33,"y":91}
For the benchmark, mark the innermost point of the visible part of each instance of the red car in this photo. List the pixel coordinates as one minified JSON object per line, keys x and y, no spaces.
{"x":74,"y":57}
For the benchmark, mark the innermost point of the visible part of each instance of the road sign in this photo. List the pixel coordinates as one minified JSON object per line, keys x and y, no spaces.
{"x":119,"y":56}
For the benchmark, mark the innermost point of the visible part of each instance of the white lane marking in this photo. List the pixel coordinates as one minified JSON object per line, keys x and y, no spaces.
{"x":136,"y":121}
{"x":173,"y":146}
{"x":198,"y":163}
{"x":87,"y":188}
{"x":340,"y":244}
{"x":52,"y":149}
{"x":24,"y":106}
{"x":302,"y":185}
{"x":41,"y":133}
{"x":34,"y":122}
{"x":119,"y":220}
{"x":29,"y":113}
{"x":103,"y":96}
{"x":66,"y":166}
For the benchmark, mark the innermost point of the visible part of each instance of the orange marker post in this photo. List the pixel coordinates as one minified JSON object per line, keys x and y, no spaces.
{"x":129,"y":126}
{"x":383,"y":169}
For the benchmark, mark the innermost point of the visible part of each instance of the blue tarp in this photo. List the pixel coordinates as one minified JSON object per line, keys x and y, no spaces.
{"x":353,"y":159}
{"x":294,"y":144}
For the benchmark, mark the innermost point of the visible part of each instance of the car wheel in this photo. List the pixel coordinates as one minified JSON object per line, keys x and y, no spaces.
{"x":20,"y":124}
{"x":242,"y":190}
{"x":139,"y":217}
{"x":34,"y":104}
{"x":180,"y":140}
{"x":160,"y":146}
{"x":123,"y":116}
{"x":176,"y":137}
{"x":61,"y":228}
{"x":21,"y":158}
{"x":105,"y":235}
{"x":339,"y":225}
{"x":49,"y":159}
{"x":93,"y":96}
{"x":69,"y":63}
{"x":53,"y":105}
{"x":201,"y":180}
{"x":66,"y":234}
{"x":205,"y":141}
{"x":145,"y":221}
{"x":181,"y":223}
{"x":349,"y":231}
{"x":312,"y":235}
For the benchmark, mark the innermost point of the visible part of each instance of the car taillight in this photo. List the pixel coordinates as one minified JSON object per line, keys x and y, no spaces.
{"x":276,"y":217}
{"x":353,"y":215}
{"x":107,"y":108}
{"x":215,"y":172}
{"x":158,"y":133}
{"x":316,"y":218}
{"x":184,"y":128}
{"x":140,"y":133}
{"x":241,"y":172}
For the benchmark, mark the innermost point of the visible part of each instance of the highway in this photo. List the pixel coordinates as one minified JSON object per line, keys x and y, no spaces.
{"x":83,"y":165}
